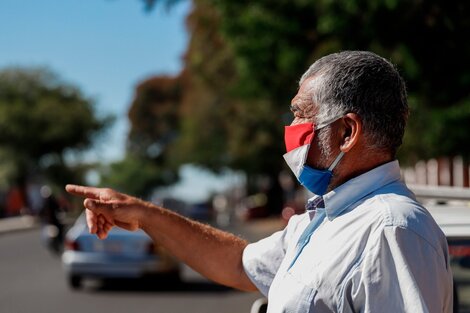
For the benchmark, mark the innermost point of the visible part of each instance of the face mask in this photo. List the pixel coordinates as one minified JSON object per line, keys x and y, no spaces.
{"x":298,"y":139}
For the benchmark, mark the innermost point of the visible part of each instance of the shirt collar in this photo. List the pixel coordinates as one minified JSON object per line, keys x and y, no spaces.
{"x":340,"y":198}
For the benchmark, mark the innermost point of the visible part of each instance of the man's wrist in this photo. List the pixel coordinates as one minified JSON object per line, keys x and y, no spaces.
{"x":146,"y":212}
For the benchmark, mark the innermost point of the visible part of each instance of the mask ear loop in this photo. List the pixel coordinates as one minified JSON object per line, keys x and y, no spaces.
{"x":336,"y":161}
{"x":327,"y":122}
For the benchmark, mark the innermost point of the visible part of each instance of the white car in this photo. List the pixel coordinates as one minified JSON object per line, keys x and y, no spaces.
{"x":450,"y":207}
{"x":123,"y":254}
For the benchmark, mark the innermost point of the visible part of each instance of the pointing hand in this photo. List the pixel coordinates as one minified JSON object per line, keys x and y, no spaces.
{"x":107,"y":208}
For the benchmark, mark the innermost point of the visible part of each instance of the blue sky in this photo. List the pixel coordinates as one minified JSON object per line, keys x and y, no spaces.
{"x":105,"y":47}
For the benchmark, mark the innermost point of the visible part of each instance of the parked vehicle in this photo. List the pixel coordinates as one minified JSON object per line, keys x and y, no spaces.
{"x":450,"y":207}
{"x":123,"y":254}
{"x":200,"y":211}
{"x":451,"y":210}
{"x":454,"y":220}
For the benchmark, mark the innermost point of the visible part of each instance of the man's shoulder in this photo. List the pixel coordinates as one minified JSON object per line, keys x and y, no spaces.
{"x":402,"y":210}
{"x":397,"y":209}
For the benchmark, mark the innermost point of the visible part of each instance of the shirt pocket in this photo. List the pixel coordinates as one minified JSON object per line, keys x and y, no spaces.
{"x":291,"y":295}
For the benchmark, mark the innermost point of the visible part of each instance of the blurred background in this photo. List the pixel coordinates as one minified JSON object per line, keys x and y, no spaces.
{"x":184,"y":103}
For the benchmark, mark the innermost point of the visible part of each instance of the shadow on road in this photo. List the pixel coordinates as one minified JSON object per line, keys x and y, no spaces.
{"x":155,"y":284}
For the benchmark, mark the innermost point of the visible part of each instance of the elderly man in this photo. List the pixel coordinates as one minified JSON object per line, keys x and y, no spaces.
{"x":364,"y":243}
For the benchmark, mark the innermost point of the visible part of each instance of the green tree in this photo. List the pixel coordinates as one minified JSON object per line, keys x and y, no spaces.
{"x":154,"y":117}
{"x":214,"y":127}
{"x":245,"y":57}
{"x":275,"y":42}
{"x":42,"y":117}
{"x":135,"y":175}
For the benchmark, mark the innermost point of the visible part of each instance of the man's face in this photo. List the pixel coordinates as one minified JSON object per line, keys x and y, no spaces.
{"x":302,"y":105}
{"x":304,"y":110}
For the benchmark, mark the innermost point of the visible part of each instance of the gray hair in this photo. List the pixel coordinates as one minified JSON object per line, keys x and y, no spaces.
{"x":364,"y":83}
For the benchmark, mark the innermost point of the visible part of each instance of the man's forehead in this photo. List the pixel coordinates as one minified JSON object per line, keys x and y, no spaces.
{"x":308,"y":83}
{"x":304,"y":98}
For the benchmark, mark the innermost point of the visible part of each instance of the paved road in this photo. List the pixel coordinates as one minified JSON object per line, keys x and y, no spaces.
{"x":32,"y":281}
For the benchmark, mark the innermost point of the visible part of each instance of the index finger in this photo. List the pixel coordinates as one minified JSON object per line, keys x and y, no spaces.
{"x":84,"y":191}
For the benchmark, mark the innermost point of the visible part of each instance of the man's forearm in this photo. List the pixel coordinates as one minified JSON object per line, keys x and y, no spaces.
{"x":214,"y":253}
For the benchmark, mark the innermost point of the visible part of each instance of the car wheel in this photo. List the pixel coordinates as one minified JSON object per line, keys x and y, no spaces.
{"x":75,"y":281}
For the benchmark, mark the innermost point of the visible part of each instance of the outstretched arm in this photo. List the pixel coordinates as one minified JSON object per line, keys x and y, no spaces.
{"x":213,"y":253}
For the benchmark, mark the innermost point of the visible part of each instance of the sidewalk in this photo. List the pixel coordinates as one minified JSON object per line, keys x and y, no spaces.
{"x":10,"y":224}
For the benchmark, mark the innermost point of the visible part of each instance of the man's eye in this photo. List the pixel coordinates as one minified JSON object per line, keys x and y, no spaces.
{"x":294,"y":109}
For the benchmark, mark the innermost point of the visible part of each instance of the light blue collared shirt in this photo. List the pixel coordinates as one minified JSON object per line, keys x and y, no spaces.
{"x":376,"y":250}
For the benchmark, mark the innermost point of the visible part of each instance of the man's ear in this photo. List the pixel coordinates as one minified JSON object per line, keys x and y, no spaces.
{"x":352,"y":131}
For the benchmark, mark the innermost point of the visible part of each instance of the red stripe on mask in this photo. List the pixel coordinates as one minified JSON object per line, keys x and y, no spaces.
{"x":298,"y":135}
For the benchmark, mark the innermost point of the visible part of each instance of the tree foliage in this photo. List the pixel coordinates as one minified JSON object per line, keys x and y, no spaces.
{"x":245,"y":57}
{"x":275,"y":42}
{"x":40,"y":118}
{"x":135,"y":175}
{"x":154,"y":116}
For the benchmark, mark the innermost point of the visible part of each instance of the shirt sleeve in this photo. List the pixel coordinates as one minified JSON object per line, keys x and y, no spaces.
{"x":262,"y":259}
{"x":404,"y":273}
